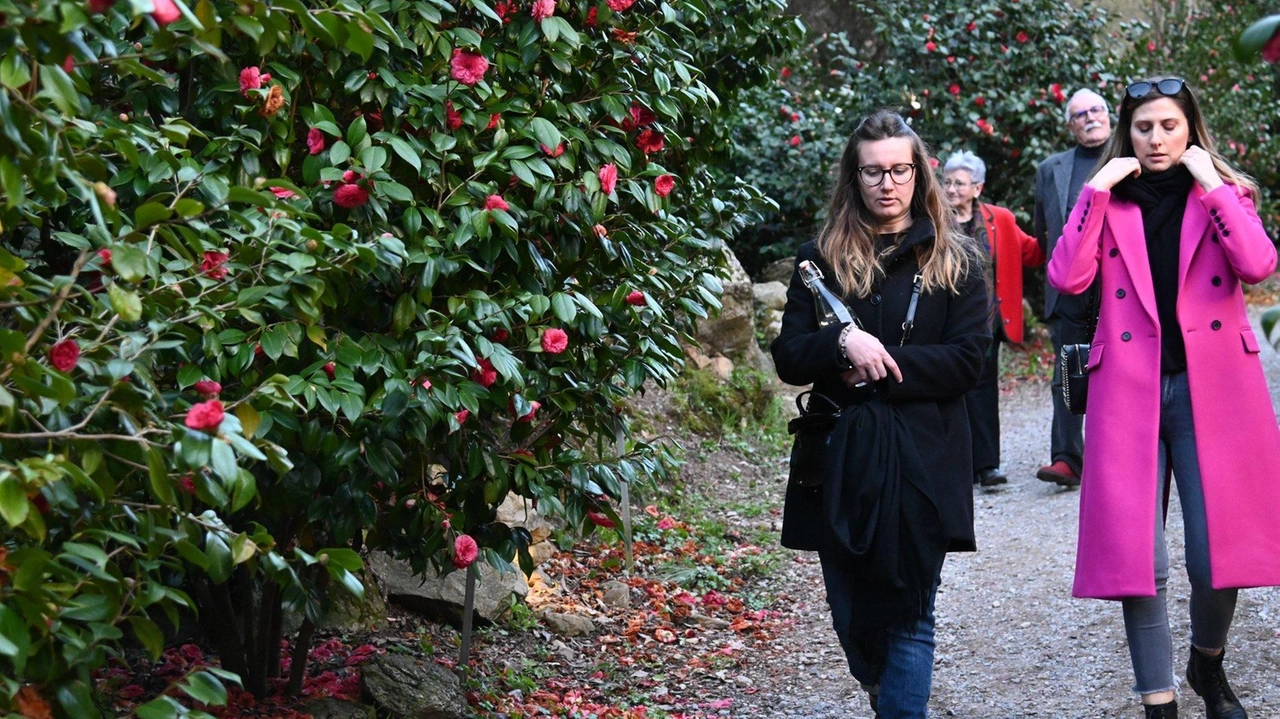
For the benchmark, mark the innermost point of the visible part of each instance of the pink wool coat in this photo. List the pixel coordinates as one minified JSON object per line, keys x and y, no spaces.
{"x":1223,"y":244}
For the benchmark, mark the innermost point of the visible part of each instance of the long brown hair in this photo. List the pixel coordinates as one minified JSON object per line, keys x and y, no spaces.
{"x":1121,"y":144}
{"x":847,"y":240}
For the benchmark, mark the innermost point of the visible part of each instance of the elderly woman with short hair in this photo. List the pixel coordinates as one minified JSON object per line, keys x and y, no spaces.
{"x":1008,"y":249}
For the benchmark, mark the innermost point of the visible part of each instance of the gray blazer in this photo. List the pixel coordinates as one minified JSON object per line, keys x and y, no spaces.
{"x":1054,"y":200}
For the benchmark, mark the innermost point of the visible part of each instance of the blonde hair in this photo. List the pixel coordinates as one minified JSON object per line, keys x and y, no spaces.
{"x":847,"y":240}
{"x":1121,"y":144}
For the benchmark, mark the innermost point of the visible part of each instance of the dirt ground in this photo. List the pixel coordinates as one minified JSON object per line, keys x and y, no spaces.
{"x":1012,"y":642}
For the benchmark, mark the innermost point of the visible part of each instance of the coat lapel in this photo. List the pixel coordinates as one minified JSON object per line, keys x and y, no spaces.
{"x":1126,"y":225}
{"x":1195,"y":225}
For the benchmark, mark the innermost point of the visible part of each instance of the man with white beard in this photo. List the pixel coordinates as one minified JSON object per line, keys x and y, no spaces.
{"x":1058,"y":182}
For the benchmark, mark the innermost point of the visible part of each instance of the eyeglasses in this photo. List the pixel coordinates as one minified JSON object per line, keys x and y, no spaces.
{"x":947,"y":185}
{"x":1094,"y":111}
{"x":873,"y":176}
{"x":1168,"y":87}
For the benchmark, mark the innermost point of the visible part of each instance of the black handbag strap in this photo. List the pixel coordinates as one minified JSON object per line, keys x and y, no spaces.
{"x":808,"y":407}
{"x":910,"y":321}
{"x":1095,"y":293}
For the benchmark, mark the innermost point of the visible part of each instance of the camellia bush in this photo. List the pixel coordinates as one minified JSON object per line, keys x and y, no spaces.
{"x":282,"y":281}
{"x":991,"y":76}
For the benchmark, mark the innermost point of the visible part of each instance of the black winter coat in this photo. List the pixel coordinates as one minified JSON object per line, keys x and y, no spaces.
{"x":940,"y":361}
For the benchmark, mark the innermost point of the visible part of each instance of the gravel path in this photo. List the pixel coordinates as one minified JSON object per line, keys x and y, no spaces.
{"x":1012,"y":642}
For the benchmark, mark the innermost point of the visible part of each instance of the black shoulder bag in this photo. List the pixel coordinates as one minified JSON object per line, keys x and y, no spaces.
{"x":819,"y":414}
{"x":1074,"y":365}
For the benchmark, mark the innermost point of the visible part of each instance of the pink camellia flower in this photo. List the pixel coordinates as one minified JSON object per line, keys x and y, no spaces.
{"x":105,"y":256}
{"x":930,"y":46}
{"x":165,"y":12}
{"x":64,"y":355}
{"x":533,"y":410}
{"x":795,"y":117}
{"x":69,"y":64}
{"x":558,"y":151}
{"x":100,"y":6}
{"x":214,"y":265}
{"x":485,"y":375}
{"x":1022,"y":37}
{"x":1151,"y":46}
{"x":495,"y":202}
{"x":330,"y":369}
{"x":208,"y":388}
{"x":350,"y":176}
{"x":315,"y":141}
{"x":543,"y":9}
{"x":554,"y":340}
{"x":493,"y":121}
{"x":933,"y":162}
{"x":637,"y":299}
{"x":795,"y":140}
{"x":666,"y":523}
{"x":451,"y":117}
{"x":608,"y":178}
{"x":619,"y":5}
{"x":600,"y":230}
{"x":600,"y":519}
{"x":284,"y":194}
{"x":1270,"y":51}
{"x":663,"y":185}
{"x":649,"y":142}
{"x":954,"y":89}
{"x":250,"y":79}
{"x":350,"y":196}
{"x":467,"y":67}
{"x":205,"y":416}
{"x":465,"y":551}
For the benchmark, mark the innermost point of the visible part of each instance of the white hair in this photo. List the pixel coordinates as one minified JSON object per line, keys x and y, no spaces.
{"x":965,"y":160}
{"x":1066,"y":109}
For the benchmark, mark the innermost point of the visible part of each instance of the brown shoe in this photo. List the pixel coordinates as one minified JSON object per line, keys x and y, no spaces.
{"x":1059,"y":473}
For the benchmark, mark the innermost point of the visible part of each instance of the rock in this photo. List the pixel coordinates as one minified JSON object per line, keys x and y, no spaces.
{"x":569,"y":625}
{"x":542,"y":551}
{"x":330,"y":708}
{"x":722,"y":367}
{"x":732,"y":333}
{"x":346,"y":614}
{"x":706,"y":622}
{"x":407,"y":688}
{"x":697,"y":357}
{"x":517,"y":511}
{"x":441,"y":598}
{"x":770,"y":295}
{"x":617,"y":594}
{"x":778,"y":271}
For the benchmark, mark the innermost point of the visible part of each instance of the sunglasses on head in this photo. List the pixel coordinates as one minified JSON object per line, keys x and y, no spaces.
{"x":1168,"y":87}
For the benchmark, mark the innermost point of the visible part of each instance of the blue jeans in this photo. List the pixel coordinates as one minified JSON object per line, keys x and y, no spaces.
{"x":906,"y":681}
{"x":1146,"y":619}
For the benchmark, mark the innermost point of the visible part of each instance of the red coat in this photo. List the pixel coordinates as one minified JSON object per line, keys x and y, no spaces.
{"x":1223,"y":245}
{"x":1012,"y":249}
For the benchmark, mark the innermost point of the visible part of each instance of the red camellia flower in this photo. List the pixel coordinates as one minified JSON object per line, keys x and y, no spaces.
{"x":1022,"y":37}
{"x":533,"y":410}
{"x":785,"y":73}
{"x":1058,"y":95}
{"x":495,"y":202}
{"x":1270,"y":52}
{"x":600,"y":519}
{"x":462,"y":415}
{"x":214,"y":265}
{"x":954,"y":89}
{"x":105,"y":256}
{"x":640,"y":117}
{"x":350,"y":196}
{"x":930,"y":46}
{"x":543,"y":9}
{"x":979,"y":101}
{"x":208,"y":388}
{"x":315,"y":141}
{"x":467,"y":67}
{"x":493,"y":121}
{"x":283,"y":193}
{"x":165,"y":12}
{"x":795,"y":117}
{"x":250,"y":79}
{"x":649,"y":142}
{"x":985,"y":126}
{"x":623,"y":36}
{"x":591,"y":17}
{"x":663,"y":185}
{"x":554,"y":340}
{"x":636,"y":298}
{"x":971,"y":26}
{"x":350,"y":176}
{"x":205,"y":416}
{"x":1151,"y":46}
{"x":501,"y":335}
{"x":330,"y":369}
{"x":553,"y":153}
{"x":452,"y":118}
{"x":505,"y":10}
{"x":619,"y":5}
{"x":64,"y":355}
{"x":795,"y":140}
{"x":100,"y":6}
{"x":465,"y":551}
{"x":608,"y":178}
{"x":933,"y":162}
{"x":485,"y":375}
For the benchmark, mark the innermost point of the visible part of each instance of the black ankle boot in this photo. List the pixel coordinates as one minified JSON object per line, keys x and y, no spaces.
{"x":1161,"y":711}
{"x":1205,"y":675}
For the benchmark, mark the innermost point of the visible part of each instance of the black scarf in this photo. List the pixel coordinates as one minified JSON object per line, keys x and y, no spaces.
{"x":1162,"y":199}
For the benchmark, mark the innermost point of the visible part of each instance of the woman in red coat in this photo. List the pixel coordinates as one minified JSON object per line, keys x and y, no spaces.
{"x":1007,"y":249}
{"x":1175,"y":384}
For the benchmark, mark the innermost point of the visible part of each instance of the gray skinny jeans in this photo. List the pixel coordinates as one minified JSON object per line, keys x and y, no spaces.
{"x":1146,"y":619}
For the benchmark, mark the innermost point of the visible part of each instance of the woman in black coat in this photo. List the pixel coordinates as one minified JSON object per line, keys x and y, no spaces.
{"x":897,"y":493}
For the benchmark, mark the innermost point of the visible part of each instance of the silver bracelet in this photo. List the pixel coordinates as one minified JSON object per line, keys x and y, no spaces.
{"x":844,"y":339}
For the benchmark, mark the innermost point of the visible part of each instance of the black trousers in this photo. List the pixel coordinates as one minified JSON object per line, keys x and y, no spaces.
{"x":983,"y":405}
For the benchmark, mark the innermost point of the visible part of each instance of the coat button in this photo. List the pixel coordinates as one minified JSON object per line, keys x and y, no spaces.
{"x":1226,"y":233}
{"x":1216,"y":325}
{"x":1080,"y":228}
{"x":1217,"y":281}
{"x":1113,"y":252}
{"x":1120,"y":293}
{"x":1213,"y":211}
{"x":875,"y":299}
{"x":1126,"y":336}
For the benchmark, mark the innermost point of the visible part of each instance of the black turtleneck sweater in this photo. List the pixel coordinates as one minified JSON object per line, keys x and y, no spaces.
{"x":1085,"y":159}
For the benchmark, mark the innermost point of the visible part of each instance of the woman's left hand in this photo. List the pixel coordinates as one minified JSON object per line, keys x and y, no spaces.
{"x":1200,"y":164}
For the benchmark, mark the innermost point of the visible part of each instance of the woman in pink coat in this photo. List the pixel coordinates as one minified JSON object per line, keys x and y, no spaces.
{"x":1176,"y":385}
